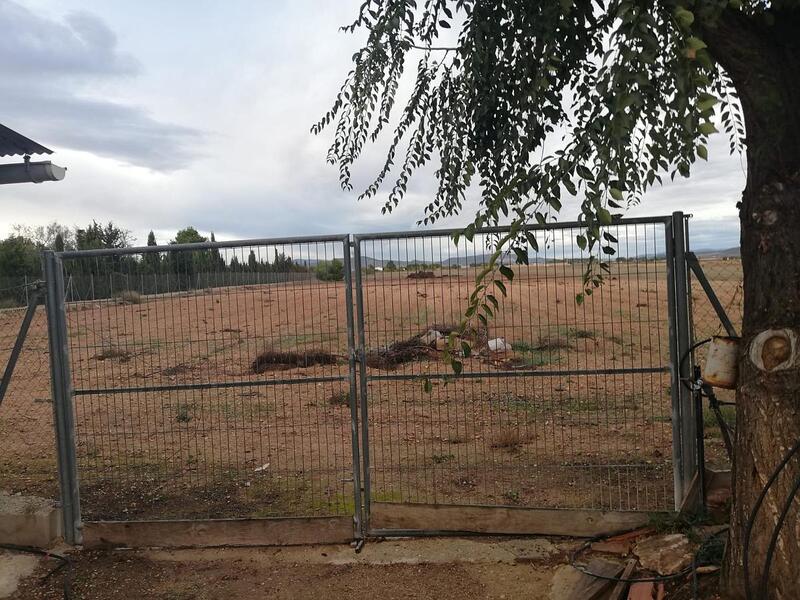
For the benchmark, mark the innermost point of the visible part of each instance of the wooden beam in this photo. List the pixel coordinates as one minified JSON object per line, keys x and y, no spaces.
{"x":489,"y":519}
{"x":218,"y":532}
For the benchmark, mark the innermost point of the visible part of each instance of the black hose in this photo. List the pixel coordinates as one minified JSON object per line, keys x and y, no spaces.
{"x":754,"y":513}
{"x":655,"y":579}
{"x":773,"y":542}
{"x":64,"y":562}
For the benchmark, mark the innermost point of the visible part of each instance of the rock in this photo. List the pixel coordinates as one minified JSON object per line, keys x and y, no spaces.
{"x":499,"y":345}
{"x":620,"y":547}
{"x":641,"y":591}
{"x":431,"y":337}
{"x":665,"y":554}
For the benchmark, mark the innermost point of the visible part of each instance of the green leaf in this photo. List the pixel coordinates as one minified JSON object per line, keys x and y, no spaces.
{"x":579,"y":298}
{"x":702,"y":152}
{"x":615,"y":193}
{"x":581,"y":239}
{"x":604,"y":216}
{"x":457,"y":366}
{"x":427,"y":386}
{"x":684,"y":17}
{"x":707,"y":128}
{"x":695,"y":43}
{"x":501,"y":286}
{"x":466,"y":349}
{"x":706,"y":101}
{"x":506,"y":272}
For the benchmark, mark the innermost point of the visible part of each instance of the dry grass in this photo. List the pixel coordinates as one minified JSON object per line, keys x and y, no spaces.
{"x":340,"y":398}
{"x":130,"y":297}
{"x":113,"y":352}
{"x":270,"y":360}
{"x":510,"y":439}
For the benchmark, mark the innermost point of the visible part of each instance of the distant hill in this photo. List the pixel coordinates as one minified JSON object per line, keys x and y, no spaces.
{"x":727,"y":253}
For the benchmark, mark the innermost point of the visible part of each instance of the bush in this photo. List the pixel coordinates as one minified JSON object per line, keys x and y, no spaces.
{"x":130,"y":297}
{"x":330,"y":270}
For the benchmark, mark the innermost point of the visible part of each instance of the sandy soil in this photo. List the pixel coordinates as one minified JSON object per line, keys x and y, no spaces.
{"x":285,"y":448}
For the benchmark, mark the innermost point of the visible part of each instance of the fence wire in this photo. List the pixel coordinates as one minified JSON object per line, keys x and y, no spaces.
{"x":724,"y":273}
{"x":27,"y":444}
{"x":221,"y":381}
{"x":560,"y":405}
{"x":222,"y":390}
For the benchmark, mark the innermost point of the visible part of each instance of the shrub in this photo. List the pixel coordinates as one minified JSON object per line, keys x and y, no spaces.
{"x":130,"y":297}
{"x":330,"y":270}
{"x":340,"y":398}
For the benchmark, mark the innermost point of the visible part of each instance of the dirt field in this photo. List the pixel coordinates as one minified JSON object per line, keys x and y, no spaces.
{"x":560,"y":440}
{"x":444,"y":568}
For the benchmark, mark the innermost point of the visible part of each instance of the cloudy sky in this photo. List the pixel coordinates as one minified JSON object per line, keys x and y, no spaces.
{"x":178,"y":113}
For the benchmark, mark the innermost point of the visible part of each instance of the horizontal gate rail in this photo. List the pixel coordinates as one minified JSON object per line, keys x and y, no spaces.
{"x":520,"y":373}
{"x":205,"y":386}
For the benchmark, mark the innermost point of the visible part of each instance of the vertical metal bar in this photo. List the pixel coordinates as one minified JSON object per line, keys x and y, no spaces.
{"x":61,"y":382}
{"x":675,"y":383}
{"x":687,"y":408}
{"x":351,"y":361}
{"x":33,"y":301}
{"x":362,"y":380}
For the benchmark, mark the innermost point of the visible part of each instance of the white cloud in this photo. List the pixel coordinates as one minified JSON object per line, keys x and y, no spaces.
{"x":125,"y":89}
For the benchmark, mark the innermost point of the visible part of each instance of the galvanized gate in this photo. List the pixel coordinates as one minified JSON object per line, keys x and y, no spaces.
{"x":559,"y":405}
{"x":240,"y":383}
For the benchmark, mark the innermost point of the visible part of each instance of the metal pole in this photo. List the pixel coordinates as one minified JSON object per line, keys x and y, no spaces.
{"x":675,"y":384}
{"x":362,"y":379}
{"x":687,"y":408}
{"x":61,"y":382}
{"x":358,"y":507}
{"x":33,"y":301}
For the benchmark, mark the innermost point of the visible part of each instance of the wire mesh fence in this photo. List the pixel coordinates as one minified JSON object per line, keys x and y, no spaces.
{"x":724,"y":273}
{"x":225,"y":395}
{"x":222,"y":380}
{"x":27,"y":445}
{"x":559,"y":405}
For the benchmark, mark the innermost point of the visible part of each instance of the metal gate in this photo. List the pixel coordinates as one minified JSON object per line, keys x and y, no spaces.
{"x":239,"y":382}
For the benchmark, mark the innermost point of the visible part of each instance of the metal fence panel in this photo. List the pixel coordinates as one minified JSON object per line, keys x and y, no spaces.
{"x":27,"y":444}
{"x":575,"y":414}
{"x":227,"y":400}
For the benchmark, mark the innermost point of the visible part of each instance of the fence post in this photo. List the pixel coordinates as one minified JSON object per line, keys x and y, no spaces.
{"x":688,"y":412}
{"x":362,"y":380}
{"x":684,"y":424}
{"x":351,"y":361}
{"x":61,"y":385}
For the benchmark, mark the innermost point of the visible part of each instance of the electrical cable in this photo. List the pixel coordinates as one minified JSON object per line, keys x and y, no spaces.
{"x":754,"y":513}
{"x":654,"y":579}
{"x":64,"y":563}
{"x":773,"y":542}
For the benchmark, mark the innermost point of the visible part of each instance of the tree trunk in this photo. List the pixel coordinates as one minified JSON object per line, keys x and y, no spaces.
{"x":763,"y":61}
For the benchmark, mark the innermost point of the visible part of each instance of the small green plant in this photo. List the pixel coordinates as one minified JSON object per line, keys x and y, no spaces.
{"x":341,"y":398}
{"x":581,"y":334}
{"x":512,"y":496}
{"x":442,"y":458}
{"x":184,"y":414}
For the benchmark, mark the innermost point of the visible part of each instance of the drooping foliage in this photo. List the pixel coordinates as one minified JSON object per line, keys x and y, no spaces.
{"x":532,"y":102}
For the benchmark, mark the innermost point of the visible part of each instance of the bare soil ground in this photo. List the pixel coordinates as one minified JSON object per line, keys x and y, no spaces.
{"x":451,"y":568}
{"x":562,"y":440}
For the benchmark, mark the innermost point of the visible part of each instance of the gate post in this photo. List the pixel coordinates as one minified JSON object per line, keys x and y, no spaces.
{"x":362,"y":382}
{"x":684,"y":424}
{"x":358,"y":514}
{"x":61,"y":386}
